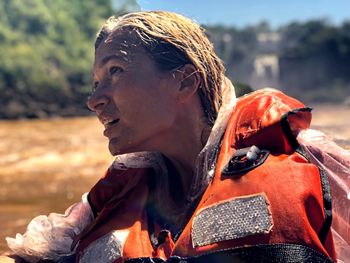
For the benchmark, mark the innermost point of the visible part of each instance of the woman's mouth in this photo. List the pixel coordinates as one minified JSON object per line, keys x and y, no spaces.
{"x":109,"y":124}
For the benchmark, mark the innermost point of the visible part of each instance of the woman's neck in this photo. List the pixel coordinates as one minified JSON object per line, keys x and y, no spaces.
{"x":181,"y":147}
{"x":183,"y":153}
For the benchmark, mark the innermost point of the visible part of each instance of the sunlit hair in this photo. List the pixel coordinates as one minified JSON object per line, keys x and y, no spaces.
{"x":172,"y":41}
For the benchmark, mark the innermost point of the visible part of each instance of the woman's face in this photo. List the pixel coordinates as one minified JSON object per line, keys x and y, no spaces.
{"x":135,"y":101}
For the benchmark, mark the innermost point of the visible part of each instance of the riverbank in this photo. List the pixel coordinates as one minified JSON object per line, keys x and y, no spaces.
{"x":333,"y":120}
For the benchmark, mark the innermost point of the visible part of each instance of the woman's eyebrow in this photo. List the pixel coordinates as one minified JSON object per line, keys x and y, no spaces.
{"x":106,"y":59}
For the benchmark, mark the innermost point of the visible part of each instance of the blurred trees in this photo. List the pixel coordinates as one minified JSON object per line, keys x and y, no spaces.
{"x":314,"y":60}
{"x":47,"y":53}
{"x":313,"y":56}
{"x":237,"y":48}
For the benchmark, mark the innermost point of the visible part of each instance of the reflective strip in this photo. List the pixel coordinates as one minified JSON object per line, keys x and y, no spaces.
{"x":105,"y":249}
{"x":231,"y":219}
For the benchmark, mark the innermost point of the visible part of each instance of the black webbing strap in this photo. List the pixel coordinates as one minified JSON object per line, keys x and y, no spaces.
{"x":93,"y":208}
{"x":277,"y":253}
{"x":286,"y":126}
{"x":327,"y":198}
{"x":327,"y":206}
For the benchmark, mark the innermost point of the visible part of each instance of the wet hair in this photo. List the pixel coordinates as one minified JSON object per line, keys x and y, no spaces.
{"x":172,"y":41}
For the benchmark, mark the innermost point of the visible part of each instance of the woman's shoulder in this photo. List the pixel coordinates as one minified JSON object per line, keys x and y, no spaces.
{"x":265,"y":106}
{"x":269,"y":119}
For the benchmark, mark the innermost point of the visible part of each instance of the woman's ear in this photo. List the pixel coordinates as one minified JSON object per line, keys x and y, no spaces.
{"x":189,"y":82}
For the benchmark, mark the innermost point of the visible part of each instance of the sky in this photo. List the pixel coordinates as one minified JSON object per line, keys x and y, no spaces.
{"x":241,"y":13}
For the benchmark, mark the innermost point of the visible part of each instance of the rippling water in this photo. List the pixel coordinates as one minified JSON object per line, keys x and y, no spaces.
{"x":45,"y":165}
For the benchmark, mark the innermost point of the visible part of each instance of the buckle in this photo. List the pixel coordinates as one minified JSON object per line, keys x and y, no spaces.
{"x":244,"y":160}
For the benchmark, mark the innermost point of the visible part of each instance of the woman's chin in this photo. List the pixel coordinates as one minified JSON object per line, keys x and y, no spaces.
{"x":114,"y":149}
{"x":117,"y":149}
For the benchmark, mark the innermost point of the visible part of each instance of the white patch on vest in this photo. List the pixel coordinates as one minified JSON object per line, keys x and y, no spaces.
{"x":105,"y":249}
{"x":231,"y":219}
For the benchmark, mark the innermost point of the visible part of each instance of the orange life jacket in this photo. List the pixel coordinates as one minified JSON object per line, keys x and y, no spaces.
{"x":264,"y":203}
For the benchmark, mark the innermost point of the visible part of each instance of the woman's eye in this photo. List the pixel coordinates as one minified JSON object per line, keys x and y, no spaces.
{"x":114,"y":70}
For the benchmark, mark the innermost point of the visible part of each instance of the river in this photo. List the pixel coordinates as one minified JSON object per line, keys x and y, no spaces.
{"x":46,"y":165}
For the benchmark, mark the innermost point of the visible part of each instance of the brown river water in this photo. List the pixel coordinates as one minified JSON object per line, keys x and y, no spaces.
{"x":46,"y":165}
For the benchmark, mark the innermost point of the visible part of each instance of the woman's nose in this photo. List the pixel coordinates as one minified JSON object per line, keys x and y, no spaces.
{"x":96,"y":102}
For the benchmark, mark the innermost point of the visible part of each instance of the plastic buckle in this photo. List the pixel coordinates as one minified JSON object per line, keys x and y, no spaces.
{"x":244,"y":160}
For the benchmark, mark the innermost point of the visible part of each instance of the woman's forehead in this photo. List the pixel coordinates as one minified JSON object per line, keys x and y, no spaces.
{"x":123,"y":43}
{"x":126,"y":37}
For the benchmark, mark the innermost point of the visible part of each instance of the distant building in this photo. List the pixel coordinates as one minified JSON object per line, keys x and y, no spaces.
{"x":266,"y":62}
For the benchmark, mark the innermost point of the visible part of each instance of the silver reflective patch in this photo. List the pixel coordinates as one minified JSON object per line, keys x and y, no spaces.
{"x":104,"y":250}
{"x":235,"y":218}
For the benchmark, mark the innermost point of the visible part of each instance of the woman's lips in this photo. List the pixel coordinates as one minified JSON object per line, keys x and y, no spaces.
{"x":111,"y":123}
{"x":109,"y":126}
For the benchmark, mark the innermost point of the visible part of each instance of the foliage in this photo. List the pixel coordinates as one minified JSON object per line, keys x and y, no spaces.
{"x":47,"y":53}
{"x":314,"y":58}
{"x":242,"y":88}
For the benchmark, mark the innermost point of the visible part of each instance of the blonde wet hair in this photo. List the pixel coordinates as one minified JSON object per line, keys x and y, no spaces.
{"x":172,"y":41}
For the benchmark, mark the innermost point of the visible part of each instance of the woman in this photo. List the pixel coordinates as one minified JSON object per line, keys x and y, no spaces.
{"x":196,"y":178}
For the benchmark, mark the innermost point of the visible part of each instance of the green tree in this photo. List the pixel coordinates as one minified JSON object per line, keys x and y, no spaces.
{"x":47,"y":54}
{"x":314,"y":59}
